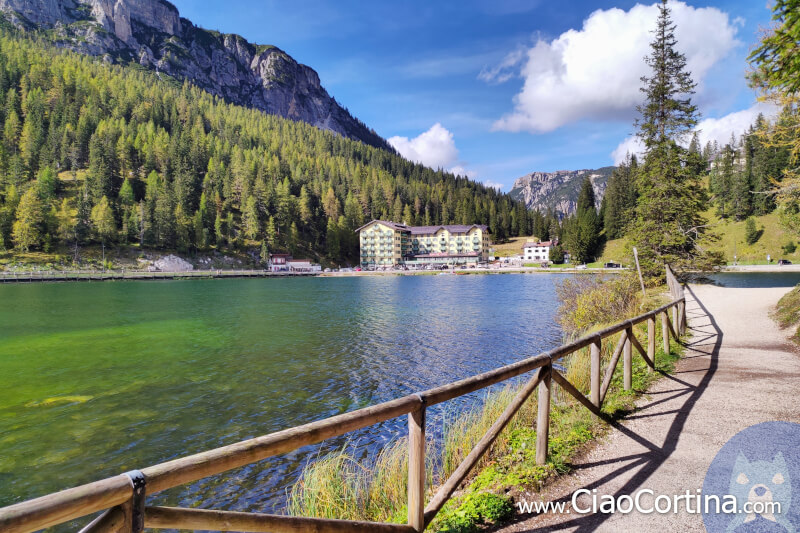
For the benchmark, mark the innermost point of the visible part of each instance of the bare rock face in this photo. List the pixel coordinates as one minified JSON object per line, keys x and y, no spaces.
{"x":152,"y":33}
{"x":558,"y":191}
{"x":172,"y":263}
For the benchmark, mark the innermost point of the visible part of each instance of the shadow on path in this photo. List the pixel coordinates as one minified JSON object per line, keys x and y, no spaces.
{"x":706,"y":341}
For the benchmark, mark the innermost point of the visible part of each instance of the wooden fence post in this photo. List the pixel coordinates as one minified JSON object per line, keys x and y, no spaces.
{"x":675,"y":319}
{"x":627,"y":360}
{"x":543,"y":417}
{"x":595,"y":376}
{"x":665,"y":332}
{"x":416,"y":469}
{"x":651,"y":341}
{"x":682,"y":318}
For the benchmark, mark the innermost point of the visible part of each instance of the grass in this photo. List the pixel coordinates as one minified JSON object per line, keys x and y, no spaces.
{"x":340,"y":486}
{"x":731,"y":242}
{"x":512,"y":247}
{"x":787,"y":312}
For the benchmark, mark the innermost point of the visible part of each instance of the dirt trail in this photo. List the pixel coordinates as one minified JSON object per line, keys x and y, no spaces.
{"x":739,"y":369}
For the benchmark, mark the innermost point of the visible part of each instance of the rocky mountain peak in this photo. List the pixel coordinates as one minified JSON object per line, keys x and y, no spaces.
{"x":558,"y":191}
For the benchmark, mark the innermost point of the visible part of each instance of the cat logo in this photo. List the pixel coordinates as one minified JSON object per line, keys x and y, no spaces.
{"x":761,"y":488}
{"x":759,"y":469}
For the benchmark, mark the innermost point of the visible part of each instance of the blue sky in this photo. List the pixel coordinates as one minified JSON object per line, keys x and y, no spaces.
{"x":514,"y":86}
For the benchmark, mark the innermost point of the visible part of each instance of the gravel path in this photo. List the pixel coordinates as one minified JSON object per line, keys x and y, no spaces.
{"x":739,"y":369}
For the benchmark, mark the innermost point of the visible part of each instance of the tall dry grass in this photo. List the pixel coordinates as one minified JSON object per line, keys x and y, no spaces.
{"x":340,"y":486}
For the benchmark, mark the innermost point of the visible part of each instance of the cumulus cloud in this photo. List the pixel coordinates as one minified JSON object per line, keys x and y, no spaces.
{"x":434,"y":148}
{"x":721,"y":129}
{"x":493,"y":184}
{"x":461,"y":170}
{"x":594,"y":72}
{"x":709,"y":129}
{"x":631,"y":145}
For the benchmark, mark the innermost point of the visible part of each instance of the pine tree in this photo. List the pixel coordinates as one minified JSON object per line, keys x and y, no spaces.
{"x":667,"y":222}
{"x":263,"y":255}
{"x":581,"y":231}
{"x":620,"y":198}
{"x":751,"y":234}
{"x":250,"y":222}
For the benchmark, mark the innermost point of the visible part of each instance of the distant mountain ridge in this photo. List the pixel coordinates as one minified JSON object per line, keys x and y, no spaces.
{"x":152,"y":34}
{"x":558,"y":191}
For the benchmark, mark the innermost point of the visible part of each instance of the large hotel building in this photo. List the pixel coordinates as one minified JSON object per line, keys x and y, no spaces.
{"x":385,"y":244}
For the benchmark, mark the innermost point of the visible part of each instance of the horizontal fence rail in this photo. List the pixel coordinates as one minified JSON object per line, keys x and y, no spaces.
{"x":123,"y":497}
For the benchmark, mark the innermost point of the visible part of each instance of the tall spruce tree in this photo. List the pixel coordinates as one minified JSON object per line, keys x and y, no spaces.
{"x":582,"y":230}
{"x":620,"y":198}
{"x":668,"y":223}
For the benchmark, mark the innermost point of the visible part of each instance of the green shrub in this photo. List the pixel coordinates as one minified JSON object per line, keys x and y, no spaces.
{"x":789,"y":247}
{"x":477,"y":509}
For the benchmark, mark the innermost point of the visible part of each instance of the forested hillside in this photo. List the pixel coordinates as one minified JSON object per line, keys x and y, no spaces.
{"x":154,"y":163}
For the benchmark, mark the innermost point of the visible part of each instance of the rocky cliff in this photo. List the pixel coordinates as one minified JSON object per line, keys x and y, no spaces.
{"x":152,"y":33}
{"x":558,"y":191}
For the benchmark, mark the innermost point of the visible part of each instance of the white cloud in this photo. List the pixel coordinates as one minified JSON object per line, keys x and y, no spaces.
{"x":709,"y":129}
{"x":721,"y":129}
{"x":594,"y":72}
{"x":493,"y":184}
{"x":434,"y":148}
{"x":503,"y":71}
{"x":631,"y":145}
{"x":461,"y":170}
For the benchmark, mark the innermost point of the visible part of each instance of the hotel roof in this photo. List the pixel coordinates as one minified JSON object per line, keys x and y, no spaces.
{"x":424,"y":230}
{"x":537,"y":244}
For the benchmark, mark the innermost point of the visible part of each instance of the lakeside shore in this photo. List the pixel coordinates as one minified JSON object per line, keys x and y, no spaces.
{"x":762,"y":268}
{"x":139,"y":275}
{"x":459,"y":272}
{"x":33,"y":276}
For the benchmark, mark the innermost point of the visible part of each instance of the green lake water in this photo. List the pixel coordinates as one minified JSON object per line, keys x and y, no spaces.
{"x":101,"y":378}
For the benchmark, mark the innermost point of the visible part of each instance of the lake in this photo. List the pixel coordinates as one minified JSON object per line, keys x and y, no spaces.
{"x":756,"y":279}
{"x":100,"y":378}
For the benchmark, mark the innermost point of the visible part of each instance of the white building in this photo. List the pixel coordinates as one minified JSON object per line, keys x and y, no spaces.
{"x":285,"y":263}
{"x":302,"y":265}
{"x":537,"y":251}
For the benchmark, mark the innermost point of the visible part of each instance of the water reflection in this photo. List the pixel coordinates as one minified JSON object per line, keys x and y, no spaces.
{"x":172,"y":368}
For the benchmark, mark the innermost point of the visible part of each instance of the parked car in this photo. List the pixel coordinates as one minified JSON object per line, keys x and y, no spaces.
{"x":612,"y":265}
{"x":581,"y":267}
{"x":784,"y":262}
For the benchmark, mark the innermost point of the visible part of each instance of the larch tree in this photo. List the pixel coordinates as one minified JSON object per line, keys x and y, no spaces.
{"x":776,"y":73}
{"x":27,"y":231}
{"x":667,"y":224}
{"x":103,"y":221}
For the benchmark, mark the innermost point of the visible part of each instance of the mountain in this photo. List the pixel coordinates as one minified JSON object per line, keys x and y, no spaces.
{"x":153,"y":34}
{"x":100,"y":156}
{"x":558,"y":191}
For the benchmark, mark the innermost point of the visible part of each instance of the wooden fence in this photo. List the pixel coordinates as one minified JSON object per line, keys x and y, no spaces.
{"x":122,"y":497}
{"x":108,"y":275}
